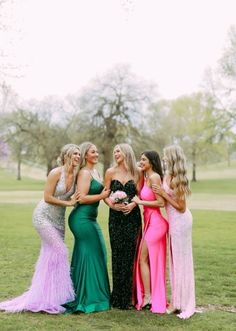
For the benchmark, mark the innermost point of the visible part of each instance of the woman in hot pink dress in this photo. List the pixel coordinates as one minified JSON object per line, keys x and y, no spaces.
{"x":151,"y":263}
{"x":175,"y":189}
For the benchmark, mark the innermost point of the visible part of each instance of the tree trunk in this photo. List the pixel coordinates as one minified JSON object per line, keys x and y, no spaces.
{"x":194,"y":178}
{"x":19,"y":169}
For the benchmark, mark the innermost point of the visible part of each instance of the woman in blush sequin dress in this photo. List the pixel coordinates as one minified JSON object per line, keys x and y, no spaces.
{"x":51,"y":284}
{"x":175,"y":189}
{"x":151,"y":264}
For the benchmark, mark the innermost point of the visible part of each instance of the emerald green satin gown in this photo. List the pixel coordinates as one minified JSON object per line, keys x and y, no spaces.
{"x":89,"y":264}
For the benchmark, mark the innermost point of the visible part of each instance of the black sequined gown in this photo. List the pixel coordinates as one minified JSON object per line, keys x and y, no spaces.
{"x":125,"y":234}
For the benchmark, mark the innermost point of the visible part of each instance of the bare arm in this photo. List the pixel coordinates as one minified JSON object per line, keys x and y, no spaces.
{"x":159,"y":202}
{"x":83,"y":185}
{"x":50,"y":187}
{"x":107,"y":183}
{"x":140,"y":181}
{"x":178,"y":204}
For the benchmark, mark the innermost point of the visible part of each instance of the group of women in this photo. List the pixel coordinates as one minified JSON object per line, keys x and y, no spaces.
{"x":138,"y":253}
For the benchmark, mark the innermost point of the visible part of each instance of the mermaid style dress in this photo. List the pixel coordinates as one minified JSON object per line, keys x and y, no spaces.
{"x":180,"y":258}
{"x":51,"y":284}
{"x":155,"y":229}
{"x":88,"y":266}
{"x":125,"y":234}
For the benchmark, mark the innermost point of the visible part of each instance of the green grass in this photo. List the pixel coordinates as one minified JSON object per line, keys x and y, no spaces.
{"x":220,"y":166}
{"x":9,"y":182}
{"x":214,"y":260}
{"x":214,"y":186}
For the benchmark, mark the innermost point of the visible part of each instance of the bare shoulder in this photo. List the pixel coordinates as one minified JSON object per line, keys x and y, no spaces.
{"x":110,"y":171}
{"x":84,"y":173}
{"x":155,"y":178}
{"x":55,"y":173}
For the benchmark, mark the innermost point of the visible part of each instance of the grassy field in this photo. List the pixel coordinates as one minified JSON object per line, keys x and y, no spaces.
{"x":215,"y":186}
{"x":8,"y":182}
{"x":214,"y":259}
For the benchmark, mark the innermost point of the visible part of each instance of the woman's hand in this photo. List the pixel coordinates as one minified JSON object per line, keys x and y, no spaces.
{"x":74,"y":199}
{"x":105,"y":193}
{"x":116,"y":206}
{"x":127,"y":208}
{"x":158,"y":190}
{"x":136,"y":200}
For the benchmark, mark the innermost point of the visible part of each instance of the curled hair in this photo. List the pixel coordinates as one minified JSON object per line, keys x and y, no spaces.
{"x":177,"y":169}
{"x":84,"y":147}
{"x":129,"y":159}
{"x":65,"y":157}
{"x":155,"y":161}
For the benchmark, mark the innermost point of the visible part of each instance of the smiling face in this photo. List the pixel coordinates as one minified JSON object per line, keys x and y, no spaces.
{"x":92,"y":155}
{"x":75,"y":157}
{"x":144,"y":163}
{"x":118,"y":155}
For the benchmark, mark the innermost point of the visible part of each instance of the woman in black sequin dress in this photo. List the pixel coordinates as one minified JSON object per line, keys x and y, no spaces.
{"x":124,"y":226}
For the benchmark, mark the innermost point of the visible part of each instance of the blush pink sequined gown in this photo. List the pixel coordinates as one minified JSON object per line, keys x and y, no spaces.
{"x":180,"y":258}
{"x":155,"y":228}
{"x":51,"y":285}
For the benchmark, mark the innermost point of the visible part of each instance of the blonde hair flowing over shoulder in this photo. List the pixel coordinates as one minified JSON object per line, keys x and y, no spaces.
{"x":177,"y":170}
{"x":129,"y":159}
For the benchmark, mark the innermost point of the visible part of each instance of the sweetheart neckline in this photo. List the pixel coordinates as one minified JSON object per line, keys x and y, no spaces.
{"x":130,"y":180}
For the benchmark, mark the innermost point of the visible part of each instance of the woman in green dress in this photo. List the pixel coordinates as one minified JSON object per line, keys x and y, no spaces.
{"x":88,"y":266}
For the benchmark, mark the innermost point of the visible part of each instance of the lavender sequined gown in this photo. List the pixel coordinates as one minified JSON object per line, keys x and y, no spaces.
{"x":51,"y":284}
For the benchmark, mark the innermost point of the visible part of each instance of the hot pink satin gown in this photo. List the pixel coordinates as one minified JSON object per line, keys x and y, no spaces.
{"x":180,"y":258}
{"x":155,"y":229}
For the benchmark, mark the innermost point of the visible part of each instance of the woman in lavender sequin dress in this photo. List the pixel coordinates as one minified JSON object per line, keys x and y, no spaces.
{"x":51,"y":284}
{"x":175,"y":189}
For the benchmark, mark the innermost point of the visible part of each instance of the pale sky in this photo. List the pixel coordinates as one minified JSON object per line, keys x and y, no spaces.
{"x":60,"y":45}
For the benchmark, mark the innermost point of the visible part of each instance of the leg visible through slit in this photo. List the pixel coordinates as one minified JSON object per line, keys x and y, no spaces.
{"x":145,"y":273}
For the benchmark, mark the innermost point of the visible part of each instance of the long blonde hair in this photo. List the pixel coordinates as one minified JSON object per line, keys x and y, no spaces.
{"x":84,"y":147}
{"x":65,"y":158}
{"x":129,"y":159}
{"x":177,"y":170}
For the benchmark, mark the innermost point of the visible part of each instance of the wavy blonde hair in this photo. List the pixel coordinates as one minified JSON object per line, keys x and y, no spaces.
{"x":65,"y":157}
{"x":129,"y":159}
{"x":84,"y":147}
{"x":177,"y":169}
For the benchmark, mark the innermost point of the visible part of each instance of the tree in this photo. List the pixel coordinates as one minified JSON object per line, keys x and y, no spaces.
{"x":8,"y":98}
{"x":34,"y":135}
{"x":113,"y":105}
{"x":160,"y":129}
{"x":195,"y":126}
{"x":221,"y":85}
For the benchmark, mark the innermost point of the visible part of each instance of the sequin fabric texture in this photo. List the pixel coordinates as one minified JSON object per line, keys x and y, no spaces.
{"x":180,"y":258}
{"x":51,"y":284}
{"x":46,"y":213}
{"x":125,"y":233}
